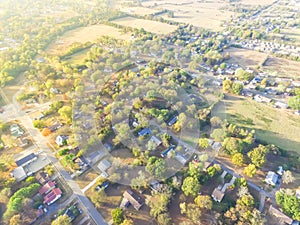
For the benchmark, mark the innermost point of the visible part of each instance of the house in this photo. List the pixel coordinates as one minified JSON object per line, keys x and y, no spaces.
{"x":55,"y":126}
{"x":282,"y":218}
{"x":165,"y":152}
{"x":53,"y":196}
{"x":281,"y":105}
{"x":61,"y":140}
{"x":181,"y":158}
{"x":49,"y":186}
{"x":173,"y":120}
{"x":155,"y":140}
{"x":217,"y":194}
{"x":132,"y":198}
{"x":216,"y":146}
{"x":16,"y":131}
{"x":94,"y":157}
{"x":26,"y":160}
{"x":42,"y":177}
{"x":104,"y":165}
{"x":271,"y":178}
{"x":19,"y":174}
{"x":144,"y":131}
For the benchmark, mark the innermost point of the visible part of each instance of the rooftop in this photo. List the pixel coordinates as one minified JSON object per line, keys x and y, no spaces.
{"x":26,"y":159}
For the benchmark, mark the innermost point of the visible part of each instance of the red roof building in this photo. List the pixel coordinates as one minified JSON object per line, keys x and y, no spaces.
{"x":49,"y":186}
{"x":54,"y":195}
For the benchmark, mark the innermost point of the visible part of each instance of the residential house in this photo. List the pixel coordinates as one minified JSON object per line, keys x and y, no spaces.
{"x":26,"y":160}
{"x":19,"y":174}
{"x":173,"y":120}
{"x":271,"y":178}
{"x":181,"y":158}
{"x":155,"y":140}
{"x":70,"y":214}
{"x":53,"y":196}
{"x":94,"y":157}
{"x":217,"y":194}
{"x":144,"y":131}
{"x":281,"y":105}
{"x":61,"y":140}
{"x":132,"y":198}
{"x":55,"y":126}
{"x":282,"y":218}
{"x":49,"y":186}
{"x":16,"y":131}
{"x":165,"y":152}
{"x":42,"y":177}
{"x":103,"y":166}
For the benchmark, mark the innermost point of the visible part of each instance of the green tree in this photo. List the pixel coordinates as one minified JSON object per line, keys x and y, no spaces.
{"x":62,"y":220}
{"x":258,"y":155}
{"x":190,"y":186}
{"x":117,"y":216}
{"x":237,"y":88}
{"x":39,"y":124}
{"x":241,"y":74}
{"x":204,"y":201}
{"x":287,"y":177}
{"x":66,"y":113}
{"x":203,"y":143}
{"x":227,"y":86}
{"x":232,"y":145}
{"x":156,"y":166}
{"x":193,"y":212}
{"x":294,"y":102}
{"x":127,"y":222}
{"x":289,"y":203}
{"x":250,"y":170}
{"x":164,"y":219}
{"x":238,"y":159}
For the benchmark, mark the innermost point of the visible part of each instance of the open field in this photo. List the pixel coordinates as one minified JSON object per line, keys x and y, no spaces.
{"x":245,"y":57}
{"x":142,"y":11}
{"x":283,"y":67}
{"x":208,"y":15}
{"x":148,"y":25}
{"x":255,"y":2}
{"x":272,"y":125}
{"x":83,"y":35}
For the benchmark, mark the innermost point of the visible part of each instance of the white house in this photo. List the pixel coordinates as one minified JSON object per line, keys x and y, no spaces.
{"x":271,"y":178}
{"x":60,"y":140}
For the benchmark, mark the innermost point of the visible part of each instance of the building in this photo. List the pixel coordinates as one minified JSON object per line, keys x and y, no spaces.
{"x":282,"y":218}
{"x":53,"y":196}
{"x":104,"y":165}
{"x":271,"y":178}
{"x":181,"y":158}
{"x":19,"y":174}
{"x":217,"y":194}
{"x":165,"y":152}
{"x":144,"y":131}
{"x":155,"y":140}
{"x":26,"y":160}
{"x":42,"y":177}
{"x":16,"y":131}
{"x":132,"y":198}
{"x":61,"y":140}
{"x":49,"y":186}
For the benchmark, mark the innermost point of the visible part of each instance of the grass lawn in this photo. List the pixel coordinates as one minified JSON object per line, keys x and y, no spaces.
{"x":77,"y":58}
{"x":86,"y":178}
{"x":272,"y":125}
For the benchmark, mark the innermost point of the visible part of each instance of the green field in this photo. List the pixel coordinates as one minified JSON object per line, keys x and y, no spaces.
{"x":273,"y":126}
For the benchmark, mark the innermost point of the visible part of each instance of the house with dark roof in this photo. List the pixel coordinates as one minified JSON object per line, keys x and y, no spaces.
{"x":130,"y":197}
{"x":70,"y":214}
{"x":53,"y":196}
{"x":26,"y":160}
{"x":49,"y":186}
{"x":165,"y":152}
{"x":144,"y":131}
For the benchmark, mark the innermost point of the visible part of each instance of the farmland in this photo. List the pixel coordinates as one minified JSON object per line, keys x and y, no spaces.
{"x":83,"y":35}
{"x":148,"y":25}
{"x":266,"y":120}
{"x":209,"y":15}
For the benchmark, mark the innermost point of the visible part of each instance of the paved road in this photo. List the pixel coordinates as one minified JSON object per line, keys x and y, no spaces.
{"x":41,"y":142}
